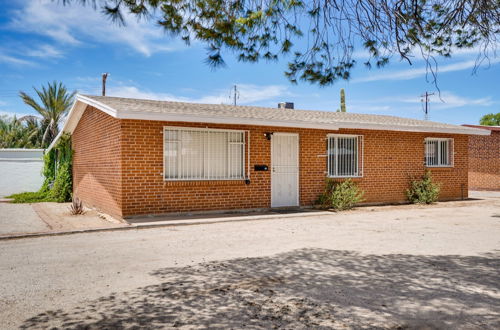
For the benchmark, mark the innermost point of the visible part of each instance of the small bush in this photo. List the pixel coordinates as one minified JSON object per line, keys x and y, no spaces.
{"x":423,"y":191}
{"x":340,"y":195}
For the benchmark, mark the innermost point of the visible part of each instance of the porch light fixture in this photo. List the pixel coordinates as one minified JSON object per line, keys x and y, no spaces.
{"x":268,"y":135}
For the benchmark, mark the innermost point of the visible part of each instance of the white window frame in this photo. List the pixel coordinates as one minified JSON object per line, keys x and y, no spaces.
{"x":359,"y":155}
{"x":205,"y":178}
{"x":451,"y":151}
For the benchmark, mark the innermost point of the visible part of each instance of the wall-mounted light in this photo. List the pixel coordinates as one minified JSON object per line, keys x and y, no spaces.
{"x":268,"y":135}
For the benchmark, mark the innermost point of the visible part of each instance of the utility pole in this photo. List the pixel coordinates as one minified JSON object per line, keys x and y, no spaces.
{"x":104,"y":77}
{"x":234,"y":94}
{"x":425,"y":99}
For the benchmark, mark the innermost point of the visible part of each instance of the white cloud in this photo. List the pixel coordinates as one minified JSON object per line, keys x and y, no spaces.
{"x":247,"y":94}
{"x":75,"y":24}
{"x":420,"y":72}
{"x":12,"y":114}
{"x":15,"y":60}
{"x":44,"y":51}
{"x":450,"y":100}
{"x":405,"y":103}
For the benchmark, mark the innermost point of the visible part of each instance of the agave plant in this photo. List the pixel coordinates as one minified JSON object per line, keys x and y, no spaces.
{"x":76,"y":207}
{"x":55,"y":101}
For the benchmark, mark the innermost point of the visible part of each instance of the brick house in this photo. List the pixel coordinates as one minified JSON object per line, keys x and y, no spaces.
{"x":484,"y":159}
{"x":135,"y":157}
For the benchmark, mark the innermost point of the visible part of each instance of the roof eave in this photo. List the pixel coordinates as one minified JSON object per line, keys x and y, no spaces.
{"x":82,"y":101}
{"x":76,"y":112}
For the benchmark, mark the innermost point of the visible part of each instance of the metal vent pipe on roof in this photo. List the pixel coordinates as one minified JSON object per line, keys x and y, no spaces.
{"x":285,"y":105}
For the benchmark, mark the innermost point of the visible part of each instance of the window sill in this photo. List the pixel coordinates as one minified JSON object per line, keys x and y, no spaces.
{"x":221,"y":182}
{"x":439,"y":167}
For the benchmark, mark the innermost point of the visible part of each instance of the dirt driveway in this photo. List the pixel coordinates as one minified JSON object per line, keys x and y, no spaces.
{"x":389,"y":267}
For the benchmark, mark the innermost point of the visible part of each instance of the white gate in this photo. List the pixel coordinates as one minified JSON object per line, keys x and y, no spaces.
{"x":285,"y":169}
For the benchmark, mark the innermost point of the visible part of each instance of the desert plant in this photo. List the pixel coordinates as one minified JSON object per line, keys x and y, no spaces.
{"x":423,"y":190}
{"x":342,"y":101}
{"x":340,"y":195}
{"x":76,"y":207}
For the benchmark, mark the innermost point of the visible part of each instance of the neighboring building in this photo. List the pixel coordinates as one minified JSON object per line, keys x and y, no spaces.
{"x":134,"y":157}
{"x":484,"y":159}
{"x":21,"y":170}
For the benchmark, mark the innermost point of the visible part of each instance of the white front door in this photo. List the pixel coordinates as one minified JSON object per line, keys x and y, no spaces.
{"x":285,"y":169}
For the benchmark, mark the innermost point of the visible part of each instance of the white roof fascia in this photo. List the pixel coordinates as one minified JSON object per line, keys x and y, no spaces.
{"x":76,"y":112}
{"x":419,"y":129}
{"x":101,"y":106}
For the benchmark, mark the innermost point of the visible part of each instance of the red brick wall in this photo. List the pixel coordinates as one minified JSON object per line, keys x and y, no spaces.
{"x":484,"y":161}
{"x":390,"y":159}
{"x":97,"y":161}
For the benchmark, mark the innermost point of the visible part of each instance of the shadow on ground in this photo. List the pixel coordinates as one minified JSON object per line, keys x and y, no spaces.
{"x":308,"y":288}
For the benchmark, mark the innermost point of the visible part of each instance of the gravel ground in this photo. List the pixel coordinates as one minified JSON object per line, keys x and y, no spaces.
{"x":387,"y":267}
{"x":17,"y":218}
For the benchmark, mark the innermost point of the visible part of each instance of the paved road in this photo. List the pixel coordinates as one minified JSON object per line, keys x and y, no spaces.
{"x":383,"y":267}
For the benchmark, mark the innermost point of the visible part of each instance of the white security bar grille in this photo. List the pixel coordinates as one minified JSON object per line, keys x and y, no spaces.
{"x":203,"y":154}
{"x":438,"y":152}
{"x":345,"y":156}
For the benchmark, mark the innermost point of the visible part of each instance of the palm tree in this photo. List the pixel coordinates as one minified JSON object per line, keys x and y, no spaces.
{"x":13,"y":134}
{"x":55,"y":103}
{"x":34,"y":129}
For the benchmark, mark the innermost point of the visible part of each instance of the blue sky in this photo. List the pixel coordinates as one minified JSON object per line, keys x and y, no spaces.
{"x":42,"y":41}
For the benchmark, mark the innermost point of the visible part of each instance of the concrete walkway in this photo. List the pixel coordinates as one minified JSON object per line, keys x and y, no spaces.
{"x":53,"y":219}
{"x":20,"y":218}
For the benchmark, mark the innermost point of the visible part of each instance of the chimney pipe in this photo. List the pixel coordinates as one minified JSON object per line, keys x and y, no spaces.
{"x":285,"y":105}
{"x":104,"y":77}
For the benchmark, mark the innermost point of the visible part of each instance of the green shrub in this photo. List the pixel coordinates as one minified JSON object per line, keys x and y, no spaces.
{"x":58,"y":184}
{"x":31,"y":197}
{"x":340,"y":195}
{"x":424,"y":190}
{"x":61,"y":190}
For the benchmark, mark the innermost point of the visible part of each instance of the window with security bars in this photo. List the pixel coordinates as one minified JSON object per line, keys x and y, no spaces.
{"x":438,"y":152}
{"x":203,"y":154}
{"x":345,"y":156}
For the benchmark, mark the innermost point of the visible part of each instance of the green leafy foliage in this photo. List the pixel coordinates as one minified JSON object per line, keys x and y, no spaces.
{"x":20,"y":133}
{"x":320,"y":36}
{"x":423,"y":190}
{"x":491,"y":119}
{"x":57,"y":171}
{"x":30,"y":197}
{"x":340,"y":195}
{"x":37,"y":131}
{"x":61,"y":190}
{"x":55,"y":101}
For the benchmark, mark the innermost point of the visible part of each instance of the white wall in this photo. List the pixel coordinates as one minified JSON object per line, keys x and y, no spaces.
{"x":20,"y":170}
